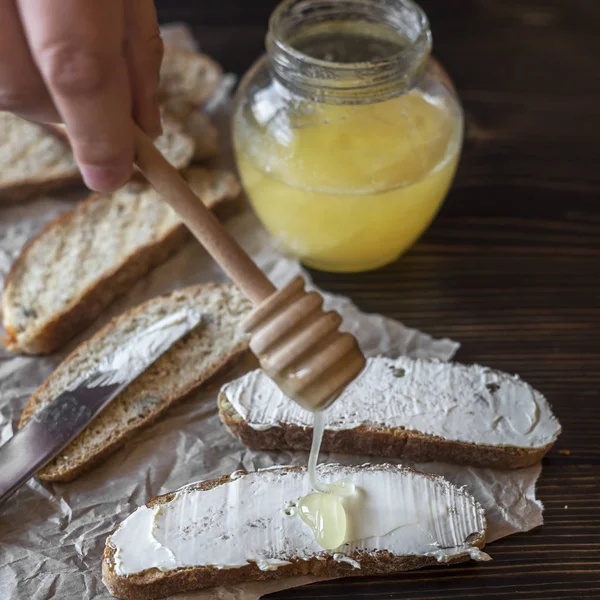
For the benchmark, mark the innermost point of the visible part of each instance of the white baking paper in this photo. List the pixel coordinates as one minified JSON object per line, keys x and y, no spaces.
{"x":52,"y":535}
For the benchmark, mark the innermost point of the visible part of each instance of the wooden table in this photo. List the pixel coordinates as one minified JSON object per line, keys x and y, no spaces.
{"x":511,"y":266}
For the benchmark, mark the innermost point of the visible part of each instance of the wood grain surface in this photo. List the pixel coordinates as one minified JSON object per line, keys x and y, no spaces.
{"x":511,"y":266}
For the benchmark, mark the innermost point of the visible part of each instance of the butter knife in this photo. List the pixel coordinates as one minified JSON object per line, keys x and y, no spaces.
{"x":50,"y":429}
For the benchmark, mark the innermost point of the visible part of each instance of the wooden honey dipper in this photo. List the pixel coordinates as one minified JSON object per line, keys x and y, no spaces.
{"x":297,"y":343}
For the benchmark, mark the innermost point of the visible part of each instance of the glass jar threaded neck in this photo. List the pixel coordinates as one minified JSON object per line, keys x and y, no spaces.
{"x":348,"y":51}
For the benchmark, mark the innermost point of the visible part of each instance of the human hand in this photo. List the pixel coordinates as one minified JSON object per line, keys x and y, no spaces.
{"x":91,"y":64}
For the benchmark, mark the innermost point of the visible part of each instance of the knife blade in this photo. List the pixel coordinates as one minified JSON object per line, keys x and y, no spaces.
{"x":50,"y":429}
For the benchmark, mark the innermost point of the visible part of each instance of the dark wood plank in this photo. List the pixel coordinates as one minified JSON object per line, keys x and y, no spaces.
{"x":511,"y":266}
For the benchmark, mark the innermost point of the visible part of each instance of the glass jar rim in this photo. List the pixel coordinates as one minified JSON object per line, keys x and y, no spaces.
{"x":331,"y":79}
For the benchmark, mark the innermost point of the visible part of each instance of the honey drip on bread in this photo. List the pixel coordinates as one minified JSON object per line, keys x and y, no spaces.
{"x":323,"y":510}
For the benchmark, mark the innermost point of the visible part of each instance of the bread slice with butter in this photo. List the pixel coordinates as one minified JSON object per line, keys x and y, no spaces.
{"x":214,"y":344}
{"x":244,"y":527}
{"x":426,"y":410}
{"x":85,"y":258}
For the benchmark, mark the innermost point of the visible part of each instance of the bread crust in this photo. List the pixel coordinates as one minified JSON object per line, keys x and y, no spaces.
{"x":379,"y":441}
{"x":28,"y":189}
{"x":157,"y":584}
{"x":69,"y":473}
{"x":153,"y":583}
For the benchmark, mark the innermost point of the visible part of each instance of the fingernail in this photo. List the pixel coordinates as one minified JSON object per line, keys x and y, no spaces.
{"x":107,"y":178}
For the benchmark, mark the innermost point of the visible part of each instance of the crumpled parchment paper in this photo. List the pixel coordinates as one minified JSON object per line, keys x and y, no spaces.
{"x":52,"y":535}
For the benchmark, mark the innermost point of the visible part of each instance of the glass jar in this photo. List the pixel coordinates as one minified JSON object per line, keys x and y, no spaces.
{"x":346,"y":133}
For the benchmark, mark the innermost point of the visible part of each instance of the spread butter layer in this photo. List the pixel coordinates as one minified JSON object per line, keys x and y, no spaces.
{"x":249,"y":519}
{"x":453,"y":401}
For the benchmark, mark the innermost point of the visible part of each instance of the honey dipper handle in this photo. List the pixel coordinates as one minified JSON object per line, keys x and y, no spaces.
{"x":200,"y":221}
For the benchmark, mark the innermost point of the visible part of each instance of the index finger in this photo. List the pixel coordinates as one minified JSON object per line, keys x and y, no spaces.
{"x":78,"y":47}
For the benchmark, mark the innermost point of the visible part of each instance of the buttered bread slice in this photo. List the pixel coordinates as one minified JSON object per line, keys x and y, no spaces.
{"x":420,"y":409}
{"x":245,"y":527}
{"x":214,"y":344}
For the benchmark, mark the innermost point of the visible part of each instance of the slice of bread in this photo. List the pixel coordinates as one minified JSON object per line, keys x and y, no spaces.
{"x":33,"y":159}
{"x":85,"y":258}
{"x":414,"y":408}
{"x":213,"y":345}
{"x":245,"y":527}
{"x":187,"y":80}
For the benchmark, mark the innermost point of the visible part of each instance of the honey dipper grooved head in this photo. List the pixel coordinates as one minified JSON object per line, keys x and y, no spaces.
{"x":300,"y":347}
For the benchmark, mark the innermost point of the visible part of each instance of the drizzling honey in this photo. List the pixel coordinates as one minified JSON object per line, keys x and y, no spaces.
{"x":301,"y":349}
{"x":323,"y":510}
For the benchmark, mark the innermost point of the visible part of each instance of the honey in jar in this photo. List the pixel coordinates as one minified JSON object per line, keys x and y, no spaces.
{"x":346,"y":133}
